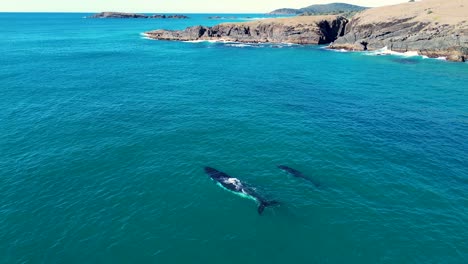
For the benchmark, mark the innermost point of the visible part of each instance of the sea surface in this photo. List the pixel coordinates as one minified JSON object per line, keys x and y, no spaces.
{"x":104,"y":136}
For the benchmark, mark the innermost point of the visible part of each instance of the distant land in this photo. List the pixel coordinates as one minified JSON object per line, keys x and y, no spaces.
{"x":133,"y":15}
{"x":326,"y":9}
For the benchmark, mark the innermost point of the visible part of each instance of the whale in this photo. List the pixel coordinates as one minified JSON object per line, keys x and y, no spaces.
{"x":235,"y":186}
{"x":298,"y":174}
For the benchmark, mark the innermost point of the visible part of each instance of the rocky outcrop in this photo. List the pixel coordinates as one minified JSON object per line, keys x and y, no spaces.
{"x":117,"y":15}
{"x":169,"y":16}
{"x":435,"y":28}
{"x":298,"y":30}
{"x":132,"y":15}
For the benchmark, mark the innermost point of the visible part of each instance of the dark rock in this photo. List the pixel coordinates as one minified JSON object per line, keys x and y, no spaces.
{"x":118,"y":15}
{"x":298,"y":30}
{"x":177,"y":17}
{"x":132,"y":15}
{"x":408,"y":27}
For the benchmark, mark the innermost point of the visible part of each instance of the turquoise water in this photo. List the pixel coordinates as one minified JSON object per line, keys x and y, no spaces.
{"x":104,"y":136}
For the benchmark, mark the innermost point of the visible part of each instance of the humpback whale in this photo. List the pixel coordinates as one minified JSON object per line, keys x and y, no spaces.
{"x":236,"y":186}
{"x":298,"y":174}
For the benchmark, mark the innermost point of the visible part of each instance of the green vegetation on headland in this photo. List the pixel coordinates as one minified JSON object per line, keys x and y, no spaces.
{"x":326,"y":9}
{"x":347,"y":14}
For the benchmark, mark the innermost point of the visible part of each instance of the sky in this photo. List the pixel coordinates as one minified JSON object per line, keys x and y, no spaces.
{"x":171,"y":6}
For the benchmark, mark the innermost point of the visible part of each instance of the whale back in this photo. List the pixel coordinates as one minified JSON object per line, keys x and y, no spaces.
{"x":216,"y":174}
{"x":298,"y":174}
{"x":234,"y":185}
{"x":291,"y":171}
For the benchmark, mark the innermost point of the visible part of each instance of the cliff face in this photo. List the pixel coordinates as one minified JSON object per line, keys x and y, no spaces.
{"x":298,"y":30}
{"x":433,"y":28}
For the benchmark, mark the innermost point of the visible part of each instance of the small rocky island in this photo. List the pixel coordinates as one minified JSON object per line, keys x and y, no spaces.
{"x":132,"y":15}
{"x":297,"y":30}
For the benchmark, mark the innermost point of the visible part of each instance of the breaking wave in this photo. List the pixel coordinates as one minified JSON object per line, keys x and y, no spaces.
{"x":386,"y":51}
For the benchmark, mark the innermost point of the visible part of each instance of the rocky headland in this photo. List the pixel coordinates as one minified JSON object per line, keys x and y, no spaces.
{"x":324,"y":9}
{"x":297,"y":30}
{"x":434,"y":28}
{"x":132,"y":15}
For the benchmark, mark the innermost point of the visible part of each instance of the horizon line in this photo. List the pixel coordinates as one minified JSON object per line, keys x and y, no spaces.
{"x":97,"y":12}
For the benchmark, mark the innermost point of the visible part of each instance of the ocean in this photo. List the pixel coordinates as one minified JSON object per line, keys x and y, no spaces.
{"x":104,"y":135}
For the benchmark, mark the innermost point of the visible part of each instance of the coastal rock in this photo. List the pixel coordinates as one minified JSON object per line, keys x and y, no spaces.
{"x":132,"y":15}
{"x":118,"y":15}
{"x":169,"y":16}
{"x":434,"y":28}
{"x":298,"y":30}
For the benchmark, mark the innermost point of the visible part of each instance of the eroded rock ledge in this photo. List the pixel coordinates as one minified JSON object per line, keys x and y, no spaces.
{"x":297,"y":30}
{"x":434,"y":28}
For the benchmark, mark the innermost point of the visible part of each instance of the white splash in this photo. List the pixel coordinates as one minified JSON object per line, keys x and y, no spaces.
{"x":209,"y":41}
{"x":239,"y":45}
{"x":195,"y":41}
{"x":145,"y":36}
{"x":234,"y":181}
{"x":340,"y":50}
{"x":241,"y":194}
{"x":387,"y":51}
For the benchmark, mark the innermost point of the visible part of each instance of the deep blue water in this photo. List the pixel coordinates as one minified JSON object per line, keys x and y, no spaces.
{"x":104,"y":136}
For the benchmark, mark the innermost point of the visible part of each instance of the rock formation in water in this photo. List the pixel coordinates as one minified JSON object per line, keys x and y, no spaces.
{"x":132,"y":15}
{"x":298,"y":30}
{"x":435,"y":28}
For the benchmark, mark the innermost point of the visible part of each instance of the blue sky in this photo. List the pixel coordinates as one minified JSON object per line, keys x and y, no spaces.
{"x":170,"y":6}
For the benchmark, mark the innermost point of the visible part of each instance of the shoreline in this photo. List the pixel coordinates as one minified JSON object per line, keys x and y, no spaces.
{"x":447,"y":55}
{"x":432,"y":28}
{"x":378,"y":52}
{"x":297,"y":30}
{"x":387,"y":52}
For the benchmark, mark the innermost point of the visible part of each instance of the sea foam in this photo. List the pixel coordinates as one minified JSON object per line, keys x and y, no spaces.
{"x":208,"y":41}
{"x":387,"y":51}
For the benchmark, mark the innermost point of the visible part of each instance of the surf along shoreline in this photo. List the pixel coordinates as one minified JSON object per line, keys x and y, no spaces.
{"x":429,"y":28}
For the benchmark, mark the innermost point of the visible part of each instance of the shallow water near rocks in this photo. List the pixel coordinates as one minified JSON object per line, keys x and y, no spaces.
{"x":104,"y":136}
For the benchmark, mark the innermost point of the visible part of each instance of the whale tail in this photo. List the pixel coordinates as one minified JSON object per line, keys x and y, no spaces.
{"x":264,"y":204}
